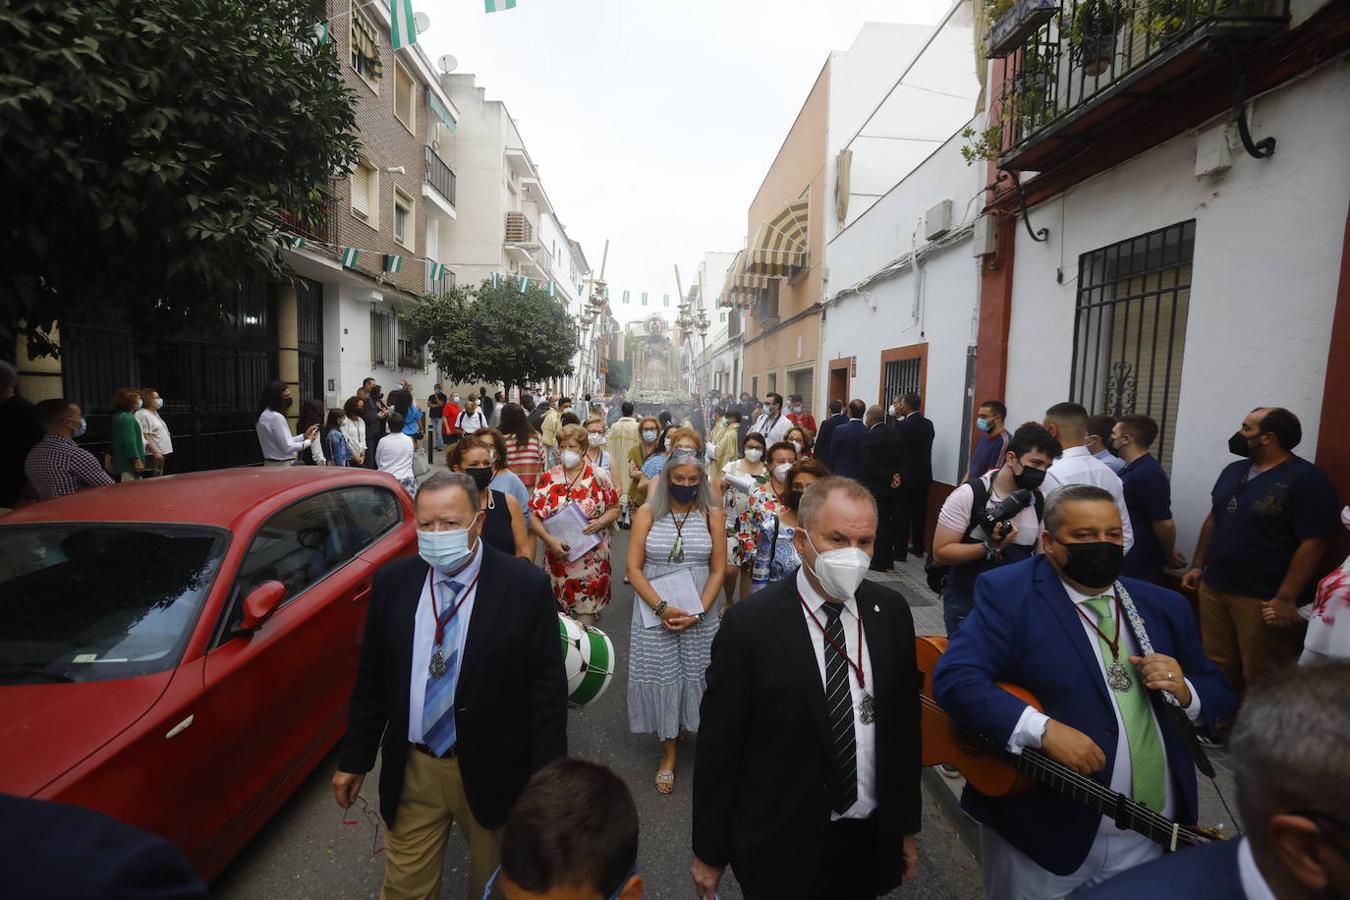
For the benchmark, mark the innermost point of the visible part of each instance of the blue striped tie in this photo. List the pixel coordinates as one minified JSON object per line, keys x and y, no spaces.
{"x":438,"y":704}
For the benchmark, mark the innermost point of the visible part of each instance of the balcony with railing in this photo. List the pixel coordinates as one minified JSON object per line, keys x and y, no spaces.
{"x":320,"y":228}
{"x":1074,"y":69}
{"x":440,"y":176}
{"x":518,"y":229}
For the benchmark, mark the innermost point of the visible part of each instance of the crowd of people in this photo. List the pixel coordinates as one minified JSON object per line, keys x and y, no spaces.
{"x":753,"y":529}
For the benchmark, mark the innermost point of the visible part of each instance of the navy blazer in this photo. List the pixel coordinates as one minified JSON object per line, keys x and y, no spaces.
{"x":918,"y":434}
{"x":846,"y":449}
{"x":1207,"y":871}
{"x":1024,"y":630}
{"x":510,"y":701}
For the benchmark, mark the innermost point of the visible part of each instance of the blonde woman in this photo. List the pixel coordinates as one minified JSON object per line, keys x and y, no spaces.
{"x":158,"y":441}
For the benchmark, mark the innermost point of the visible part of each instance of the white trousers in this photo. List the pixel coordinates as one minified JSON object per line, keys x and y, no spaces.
{"x":1009,"y":874}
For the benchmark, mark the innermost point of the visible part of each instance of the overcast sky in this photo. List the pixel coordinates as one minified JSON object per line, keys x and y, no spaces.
{"x":653,"y":123}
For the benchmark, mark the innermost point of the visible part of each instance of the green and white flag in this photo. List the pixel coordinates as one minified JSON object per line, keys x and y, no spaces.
{"x":393,"y":263}
{"x":553,"y":289}
{"x":644,"y":298}
{"x":625,"y":296}
{"x":499,"y":5}
{"x":350,"y":257}
{"x":437,"y":270}
{"x":297,"y":243}
{"x":321,"y":33}
{"x":524,"y":284}
{"x":665,"y":299}
{"x":496,"y":279}
{"x":402,"y":25}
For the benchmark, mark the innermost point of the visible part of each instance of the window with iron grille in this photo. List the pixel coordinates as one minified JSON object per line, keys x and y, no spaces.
{"x":365,"y":42}
{"x":1130,"y":328}
{"x":381,"y":339}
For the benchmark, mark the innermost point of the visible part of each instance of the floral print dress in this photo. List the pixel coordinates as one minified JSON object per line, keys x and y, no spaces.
{"x":580,"y":587}
{"x":771,"y":552}
{"x":764,"y":506}
{"x":740,"y":534}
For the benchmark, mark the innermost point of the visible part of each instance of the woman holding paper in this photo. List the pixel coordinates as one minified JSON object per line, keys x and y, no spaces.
{"x":677,"y":567}
{"x":581,"y":585}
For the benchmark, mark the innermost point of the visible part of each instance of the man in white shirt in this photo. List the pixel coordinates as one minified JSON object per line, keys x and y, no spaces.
{"x":773,"y":424}
{"x":277,"y":443}
{"x":1060,"y":626}
{"x":1295,"y":847}
{"x":1068,"y":423}
{"x":471,"y":419}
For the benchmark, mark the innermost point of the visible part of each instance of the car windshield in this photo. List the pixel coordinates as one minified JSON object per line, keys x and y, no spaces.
{"x":97,"y":600}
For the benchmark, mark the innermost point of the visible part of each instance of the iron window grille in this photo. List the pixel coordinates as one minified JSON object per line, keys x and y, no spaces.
{"x":1130,"y":328}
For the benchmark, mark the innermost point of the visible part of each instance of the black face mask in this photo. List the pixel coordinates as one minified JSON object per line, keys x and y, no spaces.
{"x":1095,"y":564}
{"x":793,"y":499}
{"x":287,"y":401}
{"x":1029,"y":478}
{"x":481,"y":475}
{"x":683,"y":493}
{"x":1238,"y":445}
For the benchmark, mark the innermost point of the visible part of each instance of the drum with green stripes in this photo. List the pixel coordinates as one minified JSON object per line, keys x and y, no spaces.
{"x":588,"y":658}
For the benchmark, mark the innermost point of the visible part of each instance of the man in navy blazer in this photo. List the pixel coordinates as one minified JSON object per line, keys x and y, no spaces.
{"x":846,"y":456}
{"x":1055,"y":626}
{"x":1291,"y":796}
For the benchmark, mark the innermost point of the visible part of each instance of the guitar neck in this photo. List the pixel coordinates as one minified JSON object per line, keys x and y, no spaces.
{"x":1124,"y":812}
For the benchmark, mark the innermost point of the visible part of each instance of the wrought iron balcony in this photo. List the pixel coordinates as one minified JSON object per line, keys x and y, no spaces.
{"x":321,"y":228}
{"x":440,"y":176}
{"x":1073,"y":70}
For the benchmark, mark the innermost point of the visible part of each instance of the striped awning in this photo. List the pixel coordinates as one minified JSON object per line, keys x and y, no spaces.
{"x":742,"y":285}
{"x":779,"y":249}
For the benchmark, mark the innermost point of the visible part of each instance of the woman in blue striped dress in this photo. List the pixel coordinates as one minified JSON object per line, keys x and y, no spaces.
{"x":673,"y":531}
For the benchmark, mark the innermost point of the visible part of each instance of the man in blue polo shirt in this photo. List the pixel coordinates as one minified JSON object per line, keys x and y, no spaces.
{"x":1260,"y":549}
{"x":1148,"y":497}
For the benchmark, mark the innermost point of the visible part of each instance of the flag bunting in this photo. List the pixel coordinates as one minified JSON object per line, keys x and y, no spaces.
{"x":393,"y":263}
{"x":350,"y":257}
{"x":499,"y":5}
{"x":402,"y":24}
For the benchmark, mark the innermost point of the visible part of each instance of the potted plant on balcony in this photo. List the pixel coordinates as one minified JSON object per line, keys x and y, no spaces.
{"x":1165,"y":19}
{"x":1093,"y":35}
{"x":1013,"y":21}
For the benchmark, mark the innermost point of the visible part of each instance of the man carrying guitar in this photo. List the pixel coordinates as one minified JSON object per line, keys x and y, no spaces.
{"x":1061,"y":627}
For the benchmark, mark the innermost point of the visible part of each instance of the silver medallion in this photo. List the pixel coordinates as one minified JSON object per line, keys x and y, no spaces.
{"x":1118,"y":678}
{"x":437,"y":667}
{"x":867,"y":711}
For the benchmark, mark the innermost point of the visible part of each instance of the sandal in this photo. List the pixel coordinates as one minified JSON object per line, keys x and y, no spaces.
{"x":665,"y":782}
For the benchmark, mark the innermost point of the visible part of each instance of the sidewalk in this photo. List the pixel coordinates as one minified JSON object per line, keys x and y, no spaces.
{"x":926,"y":607}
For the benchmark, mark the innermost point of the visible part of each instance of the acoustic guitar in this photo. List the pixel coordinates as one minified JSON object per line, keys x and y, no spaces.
{"x":993,"y":771}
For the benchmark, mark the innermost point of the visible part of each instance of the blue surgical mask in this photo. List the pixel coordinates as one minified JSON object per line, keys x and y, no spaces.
{"x":444,"y":551}
{"x":649,"y":436}
{"x":982,"y":423}
{"x":79,"y":432}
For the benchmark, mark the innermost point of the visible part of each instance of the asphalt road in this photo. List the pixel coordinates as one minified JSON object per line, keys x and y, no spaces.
{"x":306,"y":851}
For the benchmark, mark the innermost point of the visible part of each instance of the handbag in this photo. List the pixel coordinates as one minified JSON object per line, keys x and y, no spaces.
{"x":420,"y":465}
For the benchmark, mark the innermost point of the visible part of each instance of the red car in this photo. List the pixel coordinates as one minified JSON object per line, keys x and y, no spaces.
{"x":179,"y":652}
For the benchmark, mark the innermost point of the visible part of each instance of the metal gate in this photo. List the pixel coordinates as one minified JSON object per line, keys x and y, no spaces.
{"x":309,"y":334}
{"x":901,"y":376}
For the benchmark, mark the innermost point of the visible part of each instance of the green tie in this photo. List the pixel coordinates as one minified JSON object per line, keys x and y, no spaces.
{"x":1147,"y":759}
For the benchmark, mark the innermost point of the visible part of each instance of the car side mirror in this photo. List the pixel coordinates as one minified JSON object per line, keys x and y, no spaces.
{"x":259,"y":605}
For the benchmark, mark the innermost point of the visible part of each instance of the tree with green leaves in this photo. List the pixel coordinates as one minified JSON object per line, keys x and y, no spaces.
{"x":496,"y":334}
{"x":620,"y":375}
{"x":149,"y":150}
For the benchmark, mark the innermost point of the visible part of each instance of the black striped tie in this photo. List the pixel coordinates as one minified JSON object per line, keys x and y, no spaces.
{"x":839,"y":701}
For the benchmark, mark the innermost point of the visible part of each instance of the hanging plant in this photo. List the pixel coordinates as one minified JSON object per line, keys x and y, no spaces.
{"x":1163,"y":19}
{"x":986,"y":144}
{"x":1093,"y":36}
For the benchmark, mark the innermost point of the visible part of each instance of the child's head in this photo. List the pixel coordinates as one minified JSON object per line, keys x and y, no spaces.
{"x":572,"y":835}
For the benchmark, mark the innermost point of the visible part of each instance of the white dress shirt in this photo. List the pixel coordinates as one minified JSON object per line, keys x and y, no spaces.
{"x":275,"y":438}
{"x":772,"y":427}
{"x":1077,"y":466}
{"x":1254,"y":884}
{"x":394,"y":454}
{"x":1114,"y":850}
{"x":865,"y":735}
{"x":471,"y":422}
{"x":354,"y":430}
{"x":424,"y":637}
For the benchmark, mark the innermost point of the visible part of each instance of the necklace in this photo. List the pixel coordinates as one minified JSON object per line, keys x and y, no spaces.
{"x":676,"y":554}
{"x":867,"y":712}
{"x":1117,"y":677}
{"x":437,"y":667}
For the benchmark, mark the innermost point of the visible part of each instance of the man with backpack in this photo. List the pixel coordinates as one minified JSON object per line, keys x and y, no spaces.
{"x":966,"y":546}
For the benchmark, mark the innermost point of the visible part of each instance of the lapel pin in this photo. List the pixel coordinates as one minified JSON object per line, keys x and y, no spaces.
{"x":876,"y":608}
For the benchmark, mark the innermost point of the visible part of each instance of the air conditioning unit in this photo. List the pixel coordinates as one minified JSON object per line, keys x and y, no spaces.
{"x":937,"y":221}
{"x":986,"y":236}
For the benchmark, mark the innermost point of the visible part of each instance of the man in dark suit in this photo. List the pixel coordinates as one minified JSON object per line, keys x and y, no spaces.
{"x":460,"y":672}
{"x":883,"y":454}
{"x":836,"y":418}
{"x":846,"y":443}
{"x":807,"y":782}
{"x":54,"y":851}
{"x":1059,"y":625}
{"x":1290,"y":796}
{"x":918,"y":475}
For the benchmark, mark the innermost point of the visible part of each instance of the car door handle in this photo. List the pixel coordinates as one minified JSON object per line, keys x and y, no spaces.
{"x":362,"y":594}
{"x":180,"y":728}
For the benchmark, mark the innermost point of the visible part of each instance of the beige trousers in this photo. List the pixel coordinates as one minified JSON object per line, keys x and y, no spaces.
{"x":1238,"y":640}
{"x":414,"y":849}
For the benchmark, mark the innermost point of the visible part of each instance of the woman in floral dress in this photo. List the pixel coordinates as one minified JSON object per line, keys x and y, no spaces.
{"x":580,"y":586}
{"x":736,"y":503}
{"x":775,"y":555}
{"x":767,"y":501}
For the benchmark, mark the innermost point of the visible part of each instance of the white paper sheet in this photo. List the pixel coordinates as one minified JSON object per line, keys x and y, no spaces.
{"x":677,"y":589}
{"x":567,"y":525}
{"x":743,"y":483}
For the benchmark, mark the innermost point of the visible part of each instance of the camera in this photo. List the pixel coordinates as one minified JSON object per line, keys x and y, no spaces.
{"x":997,"y":521}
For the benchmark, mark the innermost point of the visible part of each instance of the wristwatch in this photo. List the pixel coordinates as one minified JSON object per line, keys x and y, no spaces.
{"x":700,"y":616}
{"x":660,"y":608}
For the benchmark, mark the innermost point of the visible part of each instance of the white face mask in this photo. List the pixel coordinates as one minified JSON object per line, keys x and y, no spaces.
{"x":597,"y":440}
{"x":139,"y":403}
{"x":159,"y":402}
{"x":570,"y":458}
{"x":753,"y":455}
{"x":798,"y":445}
{"x":667,"y":445}
{"x":839,"y":571}
{"x":649,"y":436}
{"x":1345,"y":517}
{"x":781,"y":470}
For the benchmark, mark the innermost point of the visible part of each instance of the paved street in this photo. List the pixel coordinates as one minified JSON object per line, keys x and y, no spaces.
{"x":305,"y":852}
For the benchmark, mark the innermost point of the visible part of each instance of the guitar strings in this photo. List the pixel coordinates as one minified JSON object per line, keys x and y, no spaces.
{"x":1063,"y":772}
